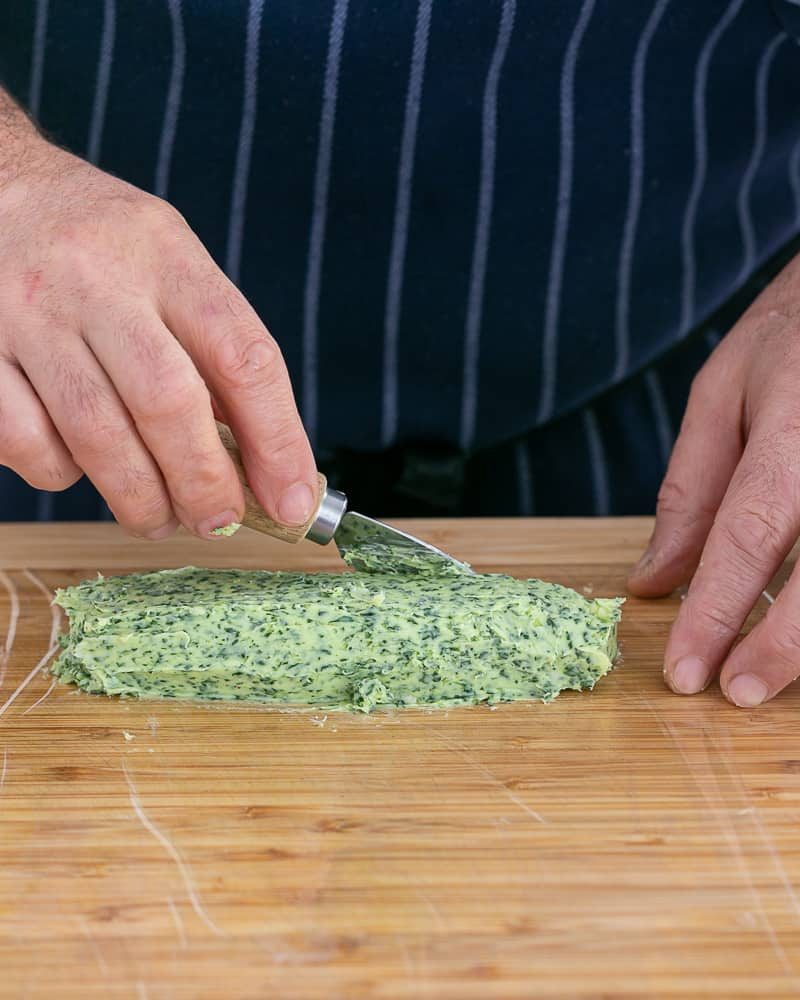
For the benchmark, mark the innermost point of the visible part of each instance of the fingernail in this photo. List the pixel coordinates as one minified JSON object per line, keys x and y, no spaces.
{"x":209,"y":526}
{"x":164,"y":531}
{"x":296,"y":504}
{"x":690,"y":675}
{"x":747,"y":691}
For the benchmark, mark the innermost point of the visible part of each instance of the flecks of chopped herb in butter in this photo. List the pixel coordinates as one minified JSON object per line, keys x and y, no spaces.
{"x":227,"y":530}
{"x":361,"y":640}
{"x":375,"y":557}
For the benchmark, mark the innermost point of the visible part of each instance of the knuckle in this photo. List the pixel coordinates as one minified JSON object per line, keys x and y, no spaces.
{"x":173,"y":395}
{"x":778,"y":431}
{"x":203,"y":493}
{"x":62,"y":477}
{"x":30,"y":451}
{"x":53,"y":478}
{"x":161,"y":215}
{"x":81,"y":395}
{"x":223,"y":299}
{"x":756,"y":532}
{"x":137,"y":498}
{"x":207,"y":480}
{"x":682,"y":505}
{"x":80,"y":254}
{"x":784,"y":642}
{"x":705,"y":385}
{"x":104,"y":437}
{"x":709,"y":409}
{"x":672,"y":497}
{"x":143,"y":340}
{"x":140,"y":521}
{"x":286,"y":445}
{"x":19,"y":441}
{"x":59,"y":291}
{"x":248,"y":362}
{"x":716,"y":619}
{"x":140,"y":486}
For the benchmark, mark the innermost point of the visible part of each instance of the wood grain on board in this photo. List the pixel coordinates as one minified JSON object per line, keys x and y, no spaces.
{"x":625,"y":842}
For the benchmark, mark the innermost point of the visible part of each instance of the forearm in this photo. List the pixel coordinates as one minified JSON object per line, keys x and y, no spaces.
{"x":18,"y":135}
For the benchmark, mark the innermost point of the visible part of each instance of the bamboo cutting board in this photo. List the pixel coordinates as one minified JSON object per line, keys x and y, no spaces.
{"x":622,"y":843}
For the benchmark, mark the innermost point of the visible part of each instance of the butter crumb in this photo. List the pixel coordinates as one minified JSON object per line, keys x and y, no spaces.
{"x":227,"y":530}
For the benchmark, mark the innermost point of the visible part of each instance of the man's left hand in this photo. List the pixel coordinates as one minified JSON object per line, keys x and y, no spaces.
{"x":729,"y":509}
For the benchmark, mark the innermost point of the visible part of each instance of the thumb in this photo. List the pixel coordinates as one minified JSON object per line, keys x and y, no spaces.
{"x":703,"y":460}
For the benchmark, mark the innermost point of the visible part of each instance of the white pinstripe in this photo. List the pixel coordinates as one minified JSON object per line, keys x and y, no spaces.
{"x":689,"y":262}
{"x":658,"y":402}
{"x":637,"y":154}
{"x":524,"y":479}
{"x":44,"y":505}
{"x":103,"y":78}
{"x":37,"y":59}
{"x":319,"y":218}
{"x":173,"y":102}
{"x":559,"y":246}
{"x":597,"y":462}
{"x":794,"y":180}
{"x":757,"y":154}
{"x":480,"y":250}
{"x":402,"y":209}
{"x":247,"y":128}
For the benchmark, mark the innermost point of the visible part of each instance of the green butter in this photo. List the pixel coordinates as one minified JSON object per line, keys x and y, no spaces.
{"x":227,"y":531}
{"x":359,"y":640}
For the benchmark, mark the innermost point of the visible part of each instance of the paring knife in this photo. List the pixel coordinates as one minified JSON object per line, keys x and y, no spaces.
{"x":350,"y":531}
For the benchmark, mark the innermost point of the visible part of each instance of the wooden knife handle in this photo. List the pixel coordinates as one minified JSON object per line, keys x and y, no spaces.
{"x":254,"y":514}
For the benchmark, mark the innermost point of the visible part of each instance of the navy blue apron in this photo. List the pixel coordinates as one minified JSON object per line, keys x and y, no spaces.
{"x":495,"y":240}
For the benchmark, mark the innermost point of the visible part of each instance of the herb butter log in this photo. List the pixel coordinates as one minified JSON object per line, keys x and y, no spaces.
{"x":358,"y":640}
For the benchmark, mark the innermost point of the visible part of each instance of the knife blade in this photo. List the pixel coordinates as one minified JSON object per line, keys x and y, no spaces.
{"x":365,"y":542}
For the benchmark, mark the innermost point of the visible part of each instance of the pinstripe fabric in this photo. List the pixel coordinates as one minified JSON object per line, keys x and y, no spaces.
{"x":397,"y":254}
{"x":597,"y":463}
{"x":663,"y":426}
{"x":567,"y":110}
{"x":37,"y":57}
{"x":743,"y":206}
{"x":173,"y":102}
{"x":634,"y":189}
{"x":310,"y":401}
{"x":620,"y":430}
{"x":480,"y":250}
{"x":524,"y":480}
{"x":701,"y":162}
{"x":794,"y":179}
{"x":44,"y":506}
{"x":104,"y":62}
{"x":495,"y":241}
{"x":246,"y":130}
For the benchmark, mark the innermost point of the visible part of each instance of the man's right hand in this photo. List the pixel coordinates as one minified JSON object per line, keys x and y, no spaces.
{"x":117,"y":331}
